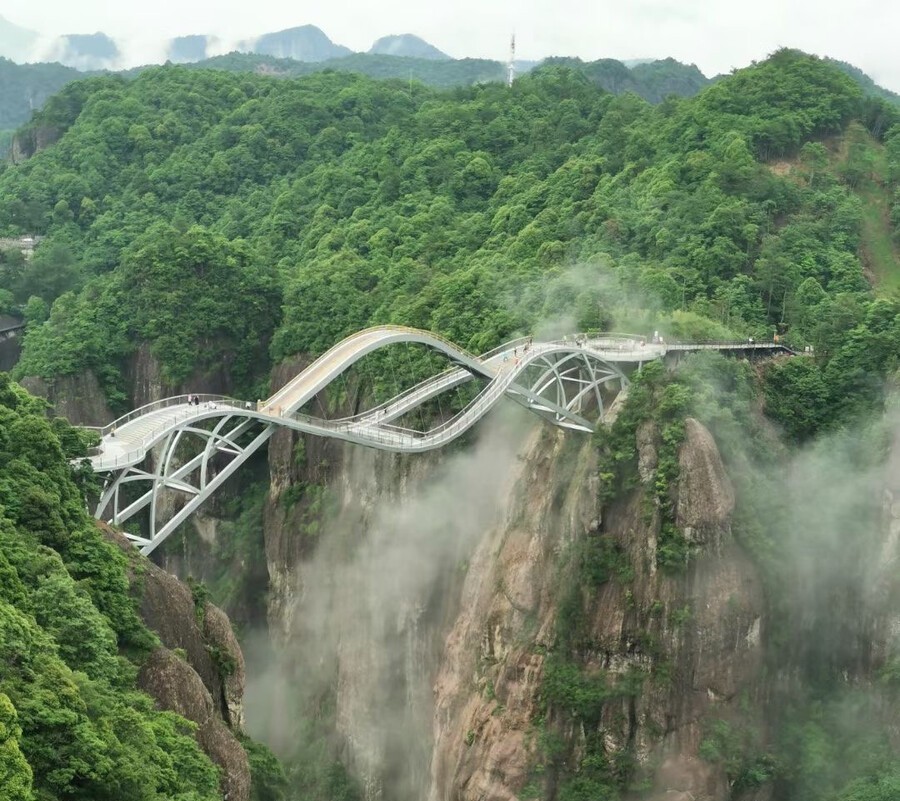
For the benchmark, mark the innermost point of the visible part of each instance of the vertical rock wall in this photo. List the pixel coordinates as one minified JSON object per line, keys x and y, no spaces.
{"x":438,"y":680}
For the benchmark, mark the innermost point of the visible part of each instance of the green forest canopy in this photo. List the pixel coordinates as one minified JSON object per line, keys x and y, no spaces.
{"x":332,"y":202}
{"x":72,"y":724}
{"x":234,"y":219}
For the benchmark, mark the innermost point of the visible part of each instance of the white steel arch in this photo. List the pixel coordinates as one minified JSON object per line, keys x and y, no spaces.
{"x":558,"y":380}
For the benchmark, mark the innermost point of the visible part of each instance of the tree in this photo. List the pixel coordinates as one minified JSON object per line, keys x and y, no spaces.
{"x":815,"y":158}
{"x":797,"y":397}
{"x":15,"y":773}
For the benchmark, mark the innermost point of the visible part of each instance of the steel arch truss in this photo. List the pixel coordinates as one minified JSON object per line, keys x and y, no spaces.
{"x":560,"y":384}
{"x":194,"y":479}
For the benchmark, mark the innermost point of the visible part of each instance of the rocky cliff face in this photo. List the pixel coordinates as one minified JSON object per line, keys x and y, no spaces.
{"x":433,"y":624}
{"x":695,"y":638}
{"x":31,"y":142}
{"x":81,"y":400}
{"x":198,"y":671}
{"x":10,"y":350}
{"x":78,"y":398}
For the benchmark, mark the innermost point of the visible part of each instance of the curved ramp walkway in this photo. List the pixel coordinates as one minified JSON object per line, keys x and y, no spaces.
{"x":557,"y":380}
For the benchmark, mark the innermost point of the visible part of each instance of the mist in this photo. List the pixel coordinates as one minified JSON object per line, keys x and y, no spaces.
{"x":372,"y":604}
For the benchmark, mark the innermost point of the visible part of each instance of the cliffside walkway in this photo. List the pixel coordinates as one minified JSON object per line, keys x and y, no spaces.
{"x":10,"y":326}
{"x":557,"y":380}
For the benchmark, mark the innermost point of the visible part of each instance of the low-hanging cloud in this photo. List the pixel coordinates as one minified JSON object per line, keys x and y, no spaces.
{"x":367,"y":623}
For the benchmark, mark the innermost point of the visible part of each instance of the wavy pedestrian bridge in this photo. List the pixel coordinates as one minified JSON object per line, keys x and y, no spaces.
{"x":193,"y":448}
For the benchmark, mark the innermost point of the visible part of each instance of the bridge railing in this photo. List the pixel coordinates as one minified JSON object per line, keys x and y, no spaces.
{"x":328,"y":354}
{"x":153,"y":406}
{"x":139,"y":449}
{"x":609,"y":341}
{"x":423,"y":387}
{"x":727,"y":344}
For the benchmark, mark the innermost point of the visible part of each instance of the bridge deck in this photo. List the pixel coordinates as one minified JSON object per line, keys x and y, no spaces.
{"x":553,"y":379}
{"x":127,"y":441}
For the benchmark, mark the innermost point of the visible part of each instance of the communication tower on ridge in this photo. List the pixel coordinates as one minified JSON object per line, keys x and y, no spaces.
{"x":511,"y":66}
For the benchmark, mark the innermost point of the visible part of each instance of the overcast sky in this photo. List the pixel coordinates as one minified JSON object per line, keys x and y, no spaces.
{"x":717,"y":35}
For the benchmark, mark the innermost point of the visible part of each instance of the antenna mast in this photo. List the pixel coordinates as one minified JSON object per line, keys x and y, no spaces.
{"x":511,"y":66}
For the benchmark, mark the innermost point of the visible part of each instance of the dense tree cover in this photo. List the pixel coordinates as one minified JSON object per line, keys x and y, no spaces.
{"x":381,"y":202}
{"x":27,"y":87}
{"x":867,"y":84}
{"x":432,"y":72}
{"x":71,"y":723}
{"x":654,"y":81}
{"x":213,"y":215}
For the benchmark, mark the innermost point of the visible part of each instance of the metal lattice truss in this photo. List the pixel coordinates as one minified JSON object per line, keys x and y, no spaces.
{"x":561,"y":384}
{"x":195,"y":480}
{"x":169,"y":457}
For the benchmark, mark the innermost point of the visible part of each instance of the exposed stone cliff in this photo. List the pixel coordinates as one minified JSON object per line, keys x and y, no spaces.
{"x":702,"y":628}
{"x":457,"y":656}
{"x":32,"y":141}
{"x":81,"y":399}
{"x":198,"y":671}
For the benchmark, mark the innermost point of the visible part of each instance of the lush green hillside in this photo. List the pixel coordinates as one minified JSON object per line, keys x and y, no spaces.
{"x":26,"y":87}
{"x":343,"y":202}
{"x":236,"y":219}
{"x":654,"y":81}
{"x":432,"y":72}
{"x":868,"y":85}
{"x":72,"y":726}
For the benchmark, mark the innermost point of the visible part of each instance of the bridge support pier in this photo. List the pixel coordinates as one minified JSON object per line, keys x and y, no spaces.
{"x":168,"y":476}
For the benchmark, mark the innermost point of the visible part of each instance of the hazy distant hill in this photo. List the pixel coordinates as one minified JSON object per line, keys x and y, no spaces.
{"x":408,"y":46}
{"x":16,"y":43}
{"x":306,"y":43}
{"x":24,"y":88}
{"x":442,"y":74}
{"x":184,"y":49}
{"x":654,"y":81}
{"x":89,"y":51}
{"x":868,"y":85}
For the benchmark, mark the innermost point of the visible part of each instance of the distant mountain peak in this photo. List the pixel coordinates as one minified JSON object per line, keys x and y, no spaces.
{"x":86,"y":51}
{"x":186,"y":49}
{"x":303,"y":43}
{"x":16,"y":43}
{"x":407,"y":45}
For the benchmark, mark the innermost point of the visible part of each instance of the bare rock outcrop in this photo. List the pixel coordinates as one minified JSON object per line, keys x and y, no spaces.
{"x":79,"y":398}
{"x":176,"y":686}
{"x":695,"y":636}
{"x":705,"y":494}
{"x":224,"y":647}
{"x":486,"y":691}
{"x":168,"y":607}
{"x":32,"y":141}
{"x":207,"y":685}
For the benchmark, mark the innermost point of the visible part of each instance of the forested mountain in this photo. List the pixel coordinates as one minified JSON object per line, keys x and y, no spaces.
{"x":72,"y":722}
{"x":652,"y":80}
{"x":868,"y":85}
{"x":25,"y":87}
{"x":439,"y":73}
{"x":445,"y":211}
{"x":227,"y":222}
